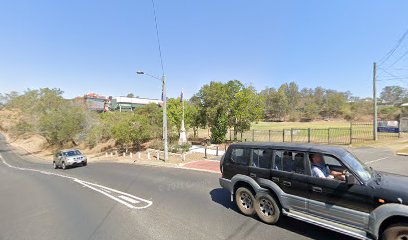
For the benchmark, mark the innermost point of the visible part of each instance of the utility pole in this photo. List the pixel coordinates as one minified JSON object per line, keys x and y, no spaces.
{"x":375,"y":134}
{"x":164,"y":96}
{"x":166,"y":152}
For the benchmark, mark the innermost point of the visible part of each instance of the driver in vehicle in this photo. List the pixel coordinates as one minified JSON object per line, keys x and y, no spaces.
{"x":321,"y":170}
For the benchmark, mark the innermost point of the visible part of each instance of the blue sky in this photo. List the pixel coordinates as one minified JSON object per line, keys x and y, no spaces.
{"x":85,"y":46}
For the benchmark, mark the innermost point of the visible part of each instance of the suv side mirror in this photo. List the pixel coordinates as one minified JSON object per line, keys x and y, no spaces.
{"x":350,"y":179}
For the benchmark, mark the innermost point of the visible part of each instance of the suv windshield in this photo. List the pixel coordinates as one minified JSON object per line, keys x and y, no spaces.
{"x":72,"y":153}
{"x":359,"y":167}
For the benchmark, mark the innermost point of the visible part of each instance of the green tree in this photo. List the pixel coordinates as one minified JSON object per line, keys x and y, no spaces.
{"x":195,"y":118}
{"x":61,"y":126}
{"x":215,"y":98}
{"x":319,"y":99}
{"x":174,"y":113}
{"x":292,"y":95}
{"x":49,"y":100}
{"x":219,"y":128}
{"x":308,"y":108}
{"x":267,"y":96}
{"x":393,"y":94}
{"x":132,"y":130}
{"x":281,"y":105}
{"x":246,"y":107}
{"x":154,"y":116}
{"x":389,"y":112}
{"x":336,"y":102}
{"x":215,"y":105}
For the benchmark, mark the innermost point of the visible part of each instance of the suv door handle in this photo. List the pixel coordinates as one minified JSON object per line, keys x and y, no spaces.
{"x":317,"y":189}
{"x":287,"y":184}
{"x":252,"y":175}
{"x":275,"y":179}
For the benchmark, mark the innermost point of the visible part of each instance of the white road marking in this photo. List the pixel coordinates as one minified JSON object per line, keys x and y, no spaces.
{"x":141,"y":203}
{"x":377,"y":160}
{"x":106,"y":190}
{"x":129,"y":199}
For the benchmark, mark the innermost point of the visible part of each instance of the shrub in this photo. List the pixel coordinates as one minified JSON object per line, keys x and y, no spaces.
{"x":157,"y":144}
{"x":62,"y":126}
{"x":219,"y":129}
{"x":185,"y":147}
{"x":132,"y":130}
{"x":21,"y":128}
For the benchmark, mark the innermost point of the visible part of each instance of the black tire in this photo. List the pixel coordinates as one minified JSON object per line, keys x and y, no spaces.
{"x":63,"y":166}
{"x":267,"y":208}
{"x":244,"y":199}
{"x":84,"y":163}
{"x":54,"y":165}
{"x":397,"y":231}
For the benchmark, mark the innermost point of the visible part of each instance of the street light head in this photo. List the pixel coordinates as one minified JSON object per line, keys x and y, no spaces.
{"x":140,"y":72}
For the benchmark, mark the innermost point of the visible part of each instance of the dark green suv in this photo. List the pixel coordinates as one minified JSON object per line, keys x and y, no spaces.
{"x":322,"y":185}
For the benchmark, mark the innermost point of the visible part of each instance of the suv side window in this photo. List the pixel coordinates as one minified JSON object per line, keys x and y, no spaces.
{"x":329,"y":160}
{"x":239,"y":156}
{"x":289,"y":161}
{"x":261,"y":158}
{"x":331,"y":163}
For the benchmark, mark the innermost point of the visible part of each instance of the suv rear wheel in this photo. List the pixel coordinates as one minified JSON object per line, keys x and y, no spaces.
{"x":267,"y":208}
{"x":64,"y":166}
{"x":245,"y":201}
{"x":396,"y":232}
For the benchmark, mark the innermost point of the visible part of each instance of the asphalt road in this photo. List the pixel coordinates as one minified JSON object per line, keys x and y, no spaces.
{"x":122,"y":201}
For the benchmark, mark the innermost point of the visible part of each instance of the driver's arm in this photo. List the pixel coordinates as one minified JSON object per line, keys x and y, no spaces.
{"x":338,"y":175}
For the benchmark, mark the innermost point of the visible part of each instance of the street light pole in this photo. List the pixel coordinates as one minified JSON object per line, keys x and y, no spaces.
{"x":375,"y":123}
{"x":165,"y":141}
{"x":166,"y":150}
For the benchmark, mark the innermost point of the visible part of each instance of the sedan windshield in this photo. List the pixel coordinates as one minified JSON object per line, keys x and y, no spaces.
{"x":359,"y":167}
{"x":72,"y":153}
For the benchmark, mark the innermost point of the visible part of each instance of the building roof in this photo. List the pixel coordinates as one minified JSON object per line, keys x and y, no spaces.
{"x":142,"y":101}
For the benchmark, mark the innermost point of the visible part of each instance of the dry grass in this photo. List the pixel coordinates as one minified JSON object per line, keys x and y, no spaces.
{"x":289,"y":125}
{"x":9,"y":118}
{"x":404,"y":150}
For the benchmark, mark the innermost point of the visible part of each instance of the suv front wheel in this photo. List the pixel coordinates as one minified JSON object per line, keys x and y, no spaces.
{"x":245,"y":201}
{"x":396,"y":232}
{"x":267,"y":208}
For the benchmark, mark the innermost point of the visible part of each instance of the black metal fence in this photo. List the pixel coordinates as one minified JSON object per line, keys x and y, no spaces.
{"x":357,"y":132}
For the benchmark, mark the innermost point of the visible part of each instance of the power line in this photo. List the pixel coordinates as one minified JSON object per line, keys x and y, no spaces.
{"x":386,"y":71}
{"x":158,"y":38}
{"x":403,"y":55}
{"x":392,"y":51}
{"x":392,"y":79}
{"x":398,"y":69}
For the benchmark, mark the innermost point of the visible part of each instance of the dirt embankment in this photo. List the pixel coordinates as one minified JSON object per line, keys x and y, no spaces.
{"x":38,"y":146}
{"x":35,"y":143}
{"x":32,"y":143}
{"x":8,"y":119}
